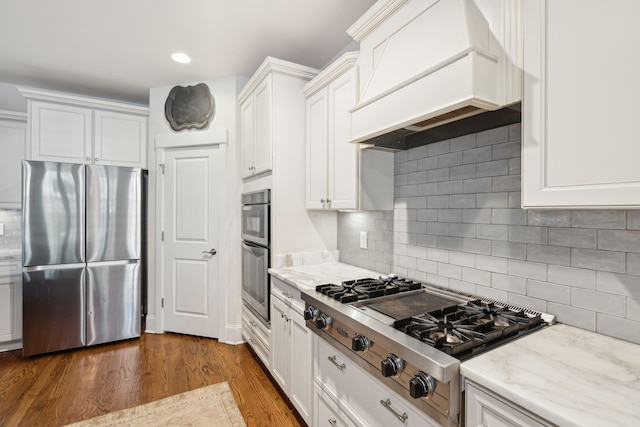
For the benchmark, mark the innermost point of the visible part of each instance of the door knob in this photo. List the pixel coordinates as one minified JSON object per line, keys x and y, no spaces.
{"x":211,"y":252}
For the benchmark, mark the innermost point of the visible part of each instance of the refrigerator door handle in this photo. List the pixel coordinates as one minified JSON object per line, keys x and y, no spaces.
{"x":52,"y":267}
{"x":118,"y":262}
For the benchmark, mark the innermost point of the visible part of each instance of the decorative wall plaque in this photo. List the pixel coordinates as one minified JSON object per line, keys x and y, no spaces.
{"x":189,"y":107}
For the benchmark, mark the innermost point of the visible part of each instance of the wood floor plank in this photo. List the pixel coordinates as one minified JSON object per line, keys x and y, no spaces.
{"x":65,"y":387}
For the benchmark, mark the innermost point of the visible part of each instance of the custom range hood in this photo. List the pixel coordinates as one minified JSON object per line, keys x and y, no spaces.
{"x":427,"y":63}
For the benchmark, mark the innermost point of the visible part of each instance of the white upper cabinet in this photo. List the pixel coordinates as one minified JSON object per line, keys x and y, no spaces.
{"x":336,"y":170}
{"x":580,"y":97}
{"x":256,"y":135}
{"x":120,"y":139}
{"x":69,"y":128}
{"x":267,"y":104}
{"x":13,"y":129}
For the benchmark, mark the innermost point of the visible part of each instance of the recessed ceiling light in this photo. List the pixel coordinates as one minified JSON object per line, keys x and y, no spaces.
{"x":181,"y":58}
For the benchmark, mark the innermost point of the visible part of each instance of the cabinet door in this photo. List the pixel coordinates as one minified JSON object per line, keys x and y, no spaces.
{"x":263,"y":126}
{"x":281,"y":343}
{"x":301,"y":366}
{"x":579,"y":105}
{"x":247,"y":125}
{"x":10,"y":308}
{"x":120,"y":139}
{"x":317,"y":150}
{"x":12,"y":147}
{"x":343,"y":155}
{"x":60,"y":133}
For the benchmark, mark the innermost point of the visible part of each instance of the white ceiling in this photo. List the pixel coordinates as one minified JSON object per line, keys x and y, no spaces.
{"x":119,"y":49}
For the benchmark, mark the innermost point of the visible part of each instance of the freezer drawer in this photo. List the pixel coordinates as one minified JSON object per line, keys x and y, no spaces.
{"x":113,"y":302}
{"x":53,"y":310}
{"x":114,"y":213}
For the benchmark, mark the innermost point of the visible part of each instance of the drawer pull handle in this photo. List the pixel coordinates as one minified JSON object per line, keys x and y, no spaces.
{"x":253,"y":341}
{"x":332,"y":359}
{"x":333,"y":422}
{"x":387,"y":404}
{"x":252,"y":323}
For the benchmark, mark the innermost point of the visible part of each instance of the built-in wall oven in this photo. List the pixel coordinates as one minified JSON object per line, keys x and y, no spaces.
{"x":256,"y":239}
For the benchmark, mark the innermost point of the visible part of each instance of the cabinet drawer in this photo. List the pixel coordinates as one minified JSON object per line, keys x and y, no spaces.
{"x":327,"y":413}
{"x":256,"y":344}
{"x":290,"y":295}
{"x":357,"y":392}
{"x":257,"y":328}
{"x":484,"y":409}
{"x":283,"y":291}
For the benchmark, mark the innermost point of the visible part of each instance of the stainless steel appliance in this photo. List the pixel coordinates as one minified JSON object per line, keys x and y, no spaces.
{"x":82,"y":228}
{"x":412,"y":336}
{"x":256,"y":235}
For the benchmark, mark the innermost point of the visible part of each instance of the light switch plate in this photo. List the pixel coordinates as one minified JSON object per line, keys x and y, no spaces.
{"x":363,"y":240}
{"x":1,"y":229}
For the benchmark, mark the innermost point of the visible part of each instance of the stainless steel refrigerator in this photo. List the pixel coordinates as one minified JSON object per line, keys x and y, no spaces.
{"x":81,"y":241}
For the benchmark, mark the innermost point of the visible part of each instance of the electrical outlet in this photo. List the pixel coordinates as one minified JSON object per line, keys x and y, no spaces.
{"x":363,"y":240}
{"x":1,"y":229}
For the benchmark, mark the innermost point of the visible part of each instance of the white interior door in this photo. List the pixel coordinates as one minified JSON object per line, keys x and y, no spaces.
{"x":191,"y":191}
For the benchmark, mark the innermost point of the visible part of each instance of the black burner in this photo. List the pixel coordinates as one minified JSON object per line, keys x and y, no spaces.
{"x":361,"y":289}
{"x":461,"y":330}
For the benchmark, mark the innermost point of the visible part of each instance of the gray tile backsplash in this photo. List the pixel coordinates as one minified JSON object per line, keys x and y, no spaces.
{"x":457,"y":223}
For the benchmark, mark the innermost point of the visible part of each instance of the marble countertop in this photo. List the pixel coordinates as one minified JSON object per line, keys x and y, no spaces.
{"x":305,"y":277}
{"x":566,"y":375}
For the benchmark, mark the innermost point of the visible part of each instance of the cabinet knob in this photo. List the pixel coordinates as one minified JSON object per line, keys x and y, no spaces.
{"x":97,"y":159}
{"x":88,"y":158}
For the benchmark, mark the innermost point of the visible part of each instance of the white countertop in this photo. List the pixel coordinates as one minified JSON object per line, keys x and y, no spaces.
{"x":566,"y":375}
{"x":307,"y":277}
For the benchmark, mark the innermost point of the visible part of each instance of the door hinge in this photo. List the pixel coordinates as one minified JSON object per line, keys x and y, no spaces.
{"x":161,"y":167}
{"x":162,"y":303}
{"x":162,"y":238}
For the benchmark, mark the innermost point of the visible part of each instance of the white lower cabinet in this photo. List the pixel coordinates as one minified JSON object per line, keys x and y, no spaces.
{"x":485,"y":409}
{"x":357,"y":394}
{"x":257,"y":335}
{"x":291,"y":347}
{"x":326,"y":412}
{"x":10,"y":305}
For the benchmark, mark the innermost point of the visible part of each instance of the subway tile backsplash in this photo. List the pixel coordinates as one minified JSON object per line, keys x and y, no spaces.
{"x":457,"y":223}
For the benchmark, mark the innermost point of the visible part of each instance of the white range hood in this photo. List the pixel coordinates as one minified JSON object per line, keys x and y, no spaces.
{"x":424,"y":63}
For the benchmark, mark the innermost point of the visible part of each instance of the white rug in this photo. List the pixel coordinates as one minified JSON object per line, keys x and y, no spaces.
{"x":207,"y":406}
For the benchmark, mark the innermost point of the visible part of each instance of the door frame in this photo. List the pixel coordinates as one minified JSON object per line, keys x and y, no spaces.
{"x":214,"y":137}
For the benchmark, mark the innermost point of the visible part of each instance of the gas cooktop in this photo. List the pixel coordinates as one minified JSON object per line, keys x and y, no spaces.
{"x":458,"y":324}
{"x":413,"y":336}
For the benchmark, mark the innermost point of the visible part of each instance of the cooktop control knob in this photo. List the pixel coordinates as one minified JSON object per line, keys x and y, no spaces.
{"x":391,"y":366}
{"x":421,"y":385}
{"x":310,"y":313}
{"x":323,"y":321}
{"x":360,"y":343}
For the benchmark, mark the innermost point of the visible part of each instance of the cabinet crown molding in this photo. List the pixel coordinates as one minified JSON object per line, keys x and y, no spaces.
{"x":13,"y":115}
{"x":344,"y":63}
{"x":33,"y":94}
{"x":275,"y":65}
{"x":372,"y":18}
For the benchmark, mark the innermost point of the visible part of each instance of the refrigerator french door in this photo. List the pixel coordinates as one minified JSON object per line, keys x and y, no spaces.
{"x":82,"y":227}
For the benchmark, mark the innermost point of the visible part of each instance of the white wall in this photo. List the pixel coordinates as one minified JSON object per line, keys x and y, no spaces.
{"x":224,"y":91}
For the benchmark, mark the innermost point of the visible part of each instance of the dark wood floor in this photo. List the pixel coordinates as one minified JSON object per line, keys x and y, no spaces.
{"x":66,"y":387}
